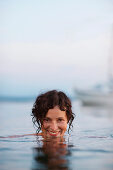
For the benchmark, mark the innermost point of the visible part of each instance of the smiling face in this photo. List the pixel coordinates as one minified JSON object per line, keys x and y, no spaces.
{"x":55,"y":123}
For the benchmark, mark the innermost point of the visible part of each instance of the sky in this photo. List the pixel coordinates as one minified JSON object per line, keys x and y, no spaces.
{"x":60,"y":44}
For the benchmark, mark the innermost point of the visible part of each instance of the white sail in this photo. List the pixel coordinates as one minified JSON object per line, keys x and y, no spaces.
{"x":96,"y":97}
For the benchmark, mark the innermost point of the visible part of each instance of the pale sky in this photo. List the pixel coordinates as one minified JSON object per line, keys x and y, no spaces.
{"x":58,"y":44}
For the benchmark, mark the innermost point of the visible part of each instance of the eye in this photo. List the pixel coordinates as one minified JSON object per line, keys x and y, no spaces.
{"x":60,"y":120}
{"x":46,"y":120}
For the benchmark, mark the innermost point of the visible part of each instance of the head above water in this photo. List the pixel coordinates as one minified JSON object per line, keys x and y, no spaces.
{"x":52,"y":112}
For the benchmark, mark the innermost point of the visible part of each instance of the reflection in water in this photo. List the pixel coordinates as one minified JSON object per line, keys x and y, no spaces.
{"x":52,"y":155}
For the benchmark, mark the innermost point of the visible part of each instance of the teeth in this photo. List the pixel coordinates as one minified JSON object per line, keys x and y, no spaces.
{"x":53,"y":132}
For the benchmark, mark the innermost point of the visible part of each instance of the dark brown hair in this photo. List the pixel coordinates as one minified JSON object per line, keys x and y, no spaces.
{"x":47,"y":101}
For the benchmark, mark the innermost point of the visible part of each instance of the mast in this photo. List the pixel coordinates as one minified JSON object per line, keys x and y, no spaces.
{"x":110,"y":64}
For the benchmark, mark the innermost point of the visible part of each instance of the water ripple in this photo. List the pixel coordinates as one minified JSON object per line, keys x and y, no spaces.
{"x":92,"y":150}
{"x":111,"y":135}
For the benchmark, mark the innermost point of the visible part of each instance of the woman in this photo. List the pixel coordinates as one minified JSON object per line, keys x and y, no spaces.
{"x":51,"y":113}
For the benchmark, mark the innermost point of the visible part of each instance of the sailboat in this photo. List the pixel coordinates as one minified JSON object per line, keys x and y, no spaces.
{"x":94,"y":98}
{"x":98,"y":96}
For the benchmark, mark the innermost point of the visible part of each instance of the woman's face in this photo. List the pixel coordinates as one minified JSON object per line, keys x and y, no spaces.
{"x":55,"y":123}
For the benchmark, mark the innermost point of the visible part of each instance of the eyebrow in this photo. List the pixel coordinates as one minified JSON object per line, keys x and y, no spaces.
{"x":60,"y":118}
{"x":47,"y":118}
{"x":56,"y":118}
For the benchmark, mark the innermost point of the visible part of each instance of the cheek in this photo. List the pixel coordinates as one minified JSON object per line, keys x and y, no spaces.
{"x":63,"y":126}
{"x":45,"y":125}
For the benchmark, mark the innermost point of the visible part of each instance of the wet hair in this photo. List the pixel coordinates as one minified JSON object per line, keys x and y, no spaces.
{"x":47,"y":101}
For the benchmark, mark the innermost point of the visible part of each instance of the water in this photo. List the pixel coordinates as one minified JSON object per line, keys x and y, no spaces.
{"x":89,"y":146}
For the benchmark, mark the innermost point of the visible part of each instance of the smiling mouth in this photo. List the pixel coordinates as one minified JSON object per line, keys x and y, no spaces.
{"x":52,"y":133}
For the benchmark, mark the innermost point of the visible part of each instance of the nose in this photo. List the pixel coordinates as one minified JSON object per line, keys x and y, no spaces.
{"x":54,"y":126}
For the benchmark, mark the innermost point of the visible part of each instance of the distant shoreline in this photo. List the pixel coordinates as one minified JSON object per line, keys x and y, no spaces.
{"x":20,"y":98}
{"x":17,"y":99}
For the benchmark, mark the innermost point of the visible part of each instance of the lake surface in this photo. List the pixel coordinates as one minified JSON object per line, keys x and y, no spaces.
{"x":89,"y":146}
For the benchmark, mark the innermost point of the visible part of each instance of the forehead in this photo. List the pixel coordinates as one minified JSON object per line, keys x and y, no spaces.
{"x":55,"y":113}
